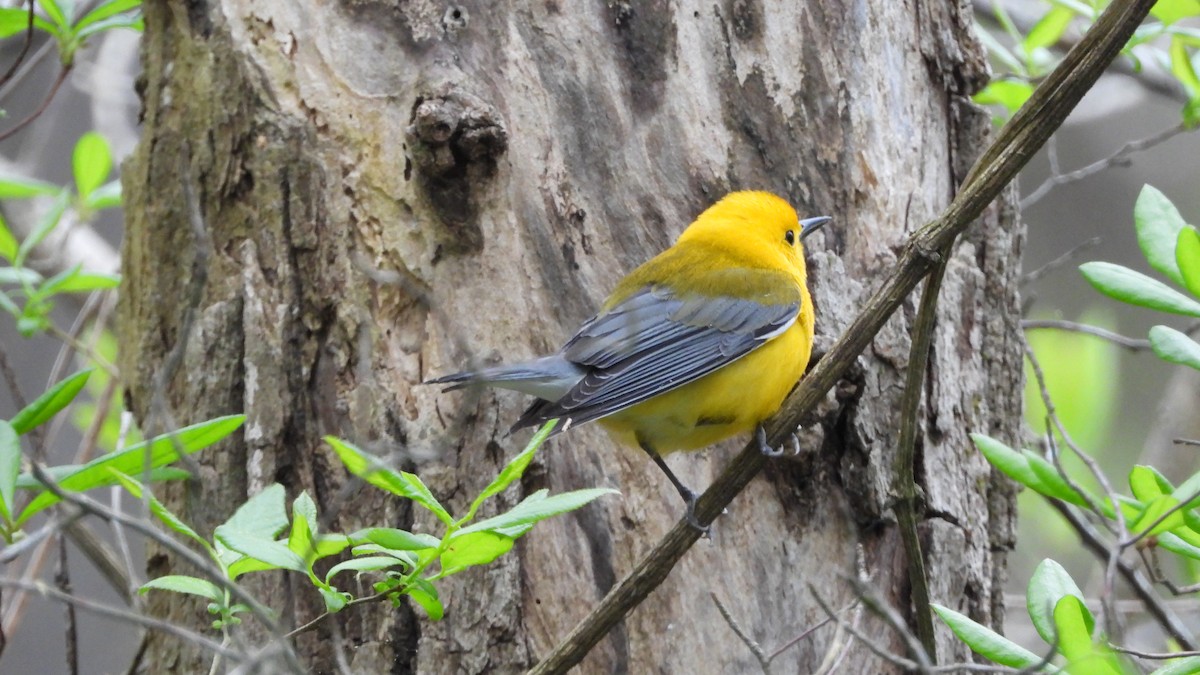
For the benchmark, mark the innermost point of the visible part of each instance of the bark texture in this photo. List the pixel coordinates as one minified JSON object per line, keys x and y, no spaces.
{"x":506,"y":163}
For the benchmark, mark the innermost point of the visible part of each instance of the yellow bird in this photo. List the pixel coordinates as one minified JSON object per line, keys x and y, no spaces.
{"x":698,"y":344}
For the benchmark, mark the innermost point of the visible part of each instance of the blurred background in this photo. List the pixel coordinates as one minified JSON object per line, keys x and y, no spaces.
{"x":1121,"y":405}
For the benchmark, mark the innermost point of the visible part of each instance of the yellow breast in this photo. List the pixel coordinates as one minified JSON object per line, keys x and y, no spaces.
{"x":732,"y":400}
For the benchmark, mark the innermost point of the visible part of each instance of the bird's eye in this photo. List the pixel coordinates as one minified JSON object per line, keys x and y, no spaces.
{"x":790,"y":237}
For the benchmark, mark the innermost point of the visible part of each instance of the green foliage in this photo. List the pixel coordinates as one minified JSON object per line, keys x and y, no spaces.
{"x":1025,"y":59}
{"x":57,"y":19}
{"x":1058,"y":613}
{"x":1155,"y":507}
{"x":407,"y":563}
{"x":151,"y":458}
{"x":1155,"y":514}
{"x":33,"y":297}
{"x":1172,"y":247}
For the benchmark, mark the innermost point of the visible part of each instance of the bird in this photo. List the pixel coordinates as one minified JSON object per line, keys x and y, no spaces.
{"x":700,"y":343}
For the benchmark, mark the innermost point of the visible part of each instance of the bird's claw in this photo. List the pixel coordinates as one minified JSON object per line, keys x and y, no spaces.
{"x":690,"y":499}
{"x":760,"y":435}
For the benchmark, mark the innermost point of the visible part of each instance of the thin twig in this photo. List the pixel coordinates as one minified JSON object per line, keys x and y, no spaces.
{"x":1132,"y":344}
{"x":353,"y":603}
{"x":1118,"y":158}
{"x":871,"y":600}
{"x":62,"y":581}
{"x":119,"y":614}
{"x":1059,"y":261}
{"x":62,"y":76}
{"x":1186,"y":441}
{"x":1121,"y":530}
{"x":1153,"y":656}
{"x":870,"y":643}
{"x":763,"y":660}
{"x":24,"y":47}
{"x":905,"y":482}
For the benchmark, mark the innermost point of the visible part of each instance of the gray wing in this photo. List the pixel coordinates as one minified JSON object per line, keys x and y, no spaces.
{"x":654,"y":342}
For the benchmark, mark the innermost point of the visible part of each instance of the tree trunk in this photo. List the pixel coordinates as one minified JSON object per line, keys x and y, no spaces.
{"x":391,"y":191}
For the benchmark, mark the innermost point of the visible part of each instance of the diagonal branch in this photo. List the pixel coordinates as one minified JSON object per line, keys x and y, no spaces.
{"x":1017,"y":142}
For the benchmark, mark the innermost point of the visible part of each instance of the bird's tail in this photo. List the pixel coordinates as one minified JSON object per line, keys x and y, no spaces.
{"x":548,"y":378}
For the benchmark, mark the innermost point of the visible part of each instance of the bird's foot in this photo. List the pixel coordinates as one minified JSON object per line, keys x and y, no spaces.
{"x":760,"y":434}
{"x":690,"y":498}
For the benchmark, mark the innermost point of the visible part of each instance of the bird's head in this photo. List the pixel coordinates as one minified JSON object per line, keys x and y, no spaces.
{"x":758,"y":224}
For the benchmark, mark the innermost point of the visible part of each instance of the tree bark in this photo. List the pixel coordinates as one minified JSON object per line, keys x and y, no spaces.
{"x":501,"y":166}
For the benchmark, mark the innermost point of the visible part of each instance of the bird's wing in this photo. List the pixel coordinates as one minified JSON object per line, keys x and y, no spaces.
{"x":655,"y":341}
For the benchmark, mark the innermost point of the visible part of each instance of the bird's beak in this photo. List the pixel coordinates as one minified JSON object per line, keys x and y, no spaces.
{"x":810,"y":225}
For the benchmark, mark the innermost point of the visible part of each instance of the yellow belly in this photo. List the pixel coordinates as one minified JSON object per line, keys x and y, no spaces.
{"x":732,"y":400}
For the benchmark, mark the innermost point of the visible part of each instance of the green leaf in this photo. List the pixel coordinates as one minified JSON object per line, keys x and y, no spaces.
{"x":253,"y":545}
{"x":160,"y":510}
{"x":44,"y":227}
{"x":1073,"y":624}
{"x":1181,"y":67}
{"x":1154,"y":510}
{"x":534,"y":508}
{"x":511,"y":471}
{"x":374,"y":471}
{"x":1135,"y":288}
{"x":263,"y":515}
{"x":19,"y":276}
{"x":1189,"y":489}
{"x":1158,"y":223}
{"x":136,"y":459}
{"x":8,"y":243}
{"x":50,"y":403}
{"x":92,"y":162}
{"x":372,"y":563}
{"x":1175,"y":347}
{"x":405,"y":557}
{"x":330,"y":544}
{"x":1052,"y":483}
{"x":1175,"y":544}
{"x":476,"y":548}
{"x":1049,"y":29}
{"x":1011,"y":94}
{"x":426,"y":596}
{"x":985,"y":641}
{"x":10,"y":468}
{"x":1049,"y":584}
{"x":334,"y":601}
{"x":56,"y":14}
{"x":26,"y":481}
{"x":1187,"y":258}
{"x":14,"y":20}
{"x":133,"y":22}
{"x":395,"y":539}
{"x":1145,"y":482}
{"x":104,"y":197}
{"x":1170,"y":11}
{"x":184,"y":584}
{"x":105,"y":10}
{"x":86,"y":282}
{"x":1027,"y":469}
{"x":19,"y":187}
